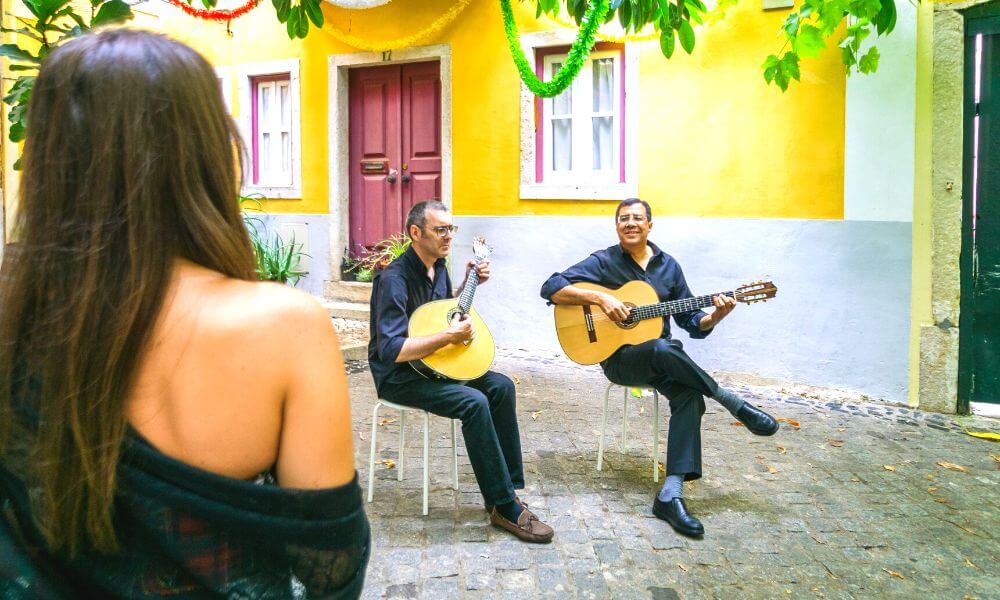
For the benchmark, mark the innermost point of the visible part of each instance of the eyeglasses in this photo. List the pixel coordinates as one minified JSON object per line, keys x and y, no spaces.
{"x":444,"y":230}
{"x":627,"y":218}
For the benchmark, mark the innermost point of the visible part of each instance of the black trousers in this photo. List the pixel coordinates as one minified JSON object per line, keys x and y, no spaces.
{"x":487,"y":408}
{"x":664,"y":365}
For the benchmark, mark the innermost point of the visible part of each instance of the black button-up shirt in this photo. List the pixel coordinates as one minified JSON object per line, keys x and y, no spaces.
{"x":613,"y":268}
{"x":396,"y":292}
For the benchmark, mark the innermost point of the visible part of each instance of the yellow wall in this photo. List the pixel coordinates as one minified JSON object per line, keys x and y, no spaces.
{"x":715,"y":140}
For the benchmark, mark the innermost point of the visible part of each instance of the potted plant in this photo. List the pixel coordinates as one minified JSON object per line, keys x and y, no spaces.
{"x":367,"y":264}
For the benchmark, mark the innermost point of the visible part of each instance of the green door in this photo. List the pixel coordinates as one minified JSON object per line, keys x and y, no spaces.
{"x":979,"y":337}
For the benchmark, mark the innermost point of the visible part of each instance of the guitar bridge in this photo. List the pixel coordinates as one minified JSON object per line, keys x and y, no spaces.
{"x":588,"y":318}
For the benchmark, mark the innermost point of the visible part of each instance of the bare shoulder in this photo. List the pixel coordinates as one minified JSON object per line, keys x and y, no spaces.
{"x":270,"y":310}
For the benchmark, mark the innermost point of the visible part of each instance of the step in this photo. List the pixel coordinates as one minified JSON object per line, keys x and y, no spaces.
{"x":347,"y":310}
{"x":348,"y":291}
{"x":353,"y":335}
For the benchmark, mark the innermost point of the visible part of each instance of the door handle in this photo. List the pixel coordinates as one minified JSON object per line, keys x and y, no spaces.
{"x":406,"y":178}
{"x":391,"y":177}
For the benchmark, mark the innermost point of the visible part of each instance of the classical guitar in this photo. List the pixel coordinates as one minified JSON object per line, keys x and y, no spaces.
{"x":588,"y":336}
{"x":459,"y":362}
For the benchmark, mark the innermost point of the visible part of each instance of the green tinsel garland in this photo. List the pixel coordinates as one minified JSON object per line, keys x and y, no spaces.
{"x":578,"y":52}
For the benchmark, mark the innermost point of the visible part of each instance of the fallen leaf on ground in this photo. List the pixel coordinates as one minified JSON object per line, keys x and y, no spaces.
{"x":642,"y":410}
{"x":893,"y":573}
{"x":385,"y":421}
{"x":737,"y":424}
{"x":932,"y":489}
{"x":984,"y":435}
{"x":781,"y":450}
{"x":855,"y":480}
{"x":683,"y":568}
{"x":517,"y":380}
{"x":941,"y":501}
{"x":534,"y":415}
{"x":388,"y":462}
{"x":361,"y":435}
{"x":791,"y":422}
{"x":889,"y":467}
{"x":969,"y":563}
{"x":952,"y":466}
{"x":930,"y":477}
{"x":996,"y":457}
{"x":771,"y":470}
{"x":836,"y":443}
{"x":662,"y":468}
{"x":841,"y":429}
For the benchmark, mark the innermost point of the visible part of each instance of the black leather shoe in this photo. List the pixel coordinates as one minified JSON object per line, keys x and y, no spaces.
{"x":756,"y":420}
{"x":675,"y":513}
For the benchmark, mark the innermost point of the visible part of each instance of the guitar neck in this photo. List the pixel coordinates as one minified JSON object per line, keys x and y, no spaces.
{"x":469,"y":291}
{"x":673,"y":307}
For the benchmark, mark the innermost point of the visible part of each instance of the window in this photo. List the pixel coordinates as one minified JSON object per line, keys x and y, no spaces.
{"x":269,"y":123}
{"x":581,"y":144}
{"x":272,"y":130}
{"x":579,"y":135}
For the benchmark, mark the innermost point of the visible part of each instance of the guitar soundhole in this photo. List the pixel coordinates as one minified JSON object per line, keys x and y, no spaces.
{"x":628,"y":323}
{"x":453,"y":314}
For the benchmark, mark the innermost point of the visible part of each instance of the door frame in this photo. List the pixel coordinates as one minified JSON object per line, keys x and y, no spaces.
{"x":983,"y":19}
{"x":339,"y":156}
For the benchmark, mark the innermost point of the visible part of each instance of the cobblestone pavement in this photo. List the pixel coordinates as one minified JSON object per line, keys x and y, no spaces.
{"x":848,"y":500}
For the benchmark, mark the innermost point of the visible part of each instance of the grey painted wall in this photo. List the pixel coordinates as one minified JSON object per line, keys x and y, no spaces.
{"x":314,"y":230}
{"x":841,"y":318}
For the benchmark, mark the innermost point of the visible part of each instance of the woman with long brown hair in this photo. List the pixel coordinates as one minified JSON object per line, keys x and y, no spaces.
{"x":151,"y":390}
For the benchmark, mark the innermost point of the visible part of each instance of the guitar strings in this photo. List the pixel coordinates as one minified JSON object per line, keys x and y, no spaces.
{"x":653,"y":310}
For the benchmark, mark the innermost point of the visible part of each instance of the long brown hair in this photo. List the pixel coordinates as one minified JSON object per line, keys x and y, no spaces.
{"x":130,"y":163}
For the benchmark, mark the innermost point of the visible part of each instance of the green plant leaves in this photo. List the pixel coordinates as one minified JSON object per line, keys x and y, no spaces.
{"x":686,"y":34}
{"x":112,"y":11}
{"x":809,"y":42}
{"x":667,"y":42}
{"x":13,"y":52}
{"x":869,"y":62}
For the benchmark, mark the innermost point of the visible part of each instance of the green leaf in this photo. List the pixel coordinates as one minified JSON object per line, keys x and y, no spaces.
{"x":47,"y":8}
{"x":12,"y":52}
{"x":847,"y":56}
{"x":113,"y":11}
{"x":16,"y":132}
{"x":869,"y":62}
{"x":292,"y":25}
{"x":790,"y":65}
{"x":24,"y":67}
{"x":667,"y":42}
{"x":686,"y":35}
{"x":314,"y":12}
{"x":303,"y":23}
{"x":885,"y":20}
{"x":282,"y":8}
{"x":809,"y":42}
{"x":791,"y":25}
{"x":17,"y":164}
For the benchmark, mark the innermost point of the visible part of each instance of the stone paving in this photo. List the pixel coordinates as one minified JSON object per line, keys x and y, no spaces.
{"x":848,"y":500}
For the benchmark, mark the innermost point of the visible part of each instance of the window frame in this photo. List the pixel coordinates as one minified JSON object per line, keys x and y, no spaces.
{"x":533,"y":183}
{"x":249,"y":76}
{"x":581,"y":116}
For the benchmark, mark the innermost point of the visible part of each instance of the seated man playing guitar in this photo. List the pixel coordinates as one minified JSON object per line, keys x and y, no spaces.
{"x":660,"y":363}
{"x":486,"y":405}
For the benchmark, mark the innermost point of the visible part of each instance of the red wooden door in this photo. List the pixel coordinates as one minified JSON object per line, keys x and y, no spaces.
{"x":395,"y":147}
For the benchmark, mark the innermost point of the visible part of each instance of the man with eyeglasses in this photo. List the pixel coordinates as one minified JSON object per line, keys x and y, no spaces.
{"x":486,"y":406}
{"x":660,"y":363}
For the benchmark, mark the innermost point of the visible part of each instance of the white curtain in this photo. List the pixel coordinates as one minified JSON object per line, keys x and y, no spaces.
{"x":603,"y":126}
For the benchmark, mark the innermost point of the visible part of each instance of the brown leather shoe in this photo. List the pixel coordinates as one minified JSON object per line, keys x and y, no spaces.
{"x":527,"y":529}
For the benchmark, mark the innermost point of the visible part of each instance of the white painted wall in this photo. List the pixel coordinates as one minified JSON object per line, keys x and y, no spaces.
{"x":879,"y":130}
{"x":841,"y":318}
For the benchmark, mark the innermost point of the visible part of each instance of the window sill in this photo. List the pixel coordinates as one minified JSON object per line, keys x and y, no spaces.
{"x":273,"y":193}
{"x":608,"y":191}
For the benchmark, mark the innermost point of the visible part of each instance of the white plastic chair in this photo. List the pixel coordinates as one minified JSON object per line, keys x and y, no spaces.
{"x":656,"y":426}
{"x":402,"y":442}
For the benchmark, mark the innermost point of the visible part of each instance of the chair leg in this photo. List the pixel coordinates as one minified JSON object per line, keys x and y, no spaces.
{"x":371,"y":454}
{"x":625,"y":421}
{"x":656,"y":436}
{"x":454,"y":452}
{"x":402,"y":444}
{"x":604,"y":429}
{"x":427,"y":458}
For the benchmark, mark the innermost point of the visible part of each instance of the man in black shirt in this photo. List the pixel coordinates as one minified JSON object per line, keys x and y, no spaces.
{"x":486,"y":406}
{"x":660,"y":363}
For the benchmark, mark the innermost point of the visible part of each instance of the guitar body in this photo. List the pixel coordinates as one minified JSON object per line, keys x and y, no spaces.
{"x":459,"y":362}
{"x":588,"y":336}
